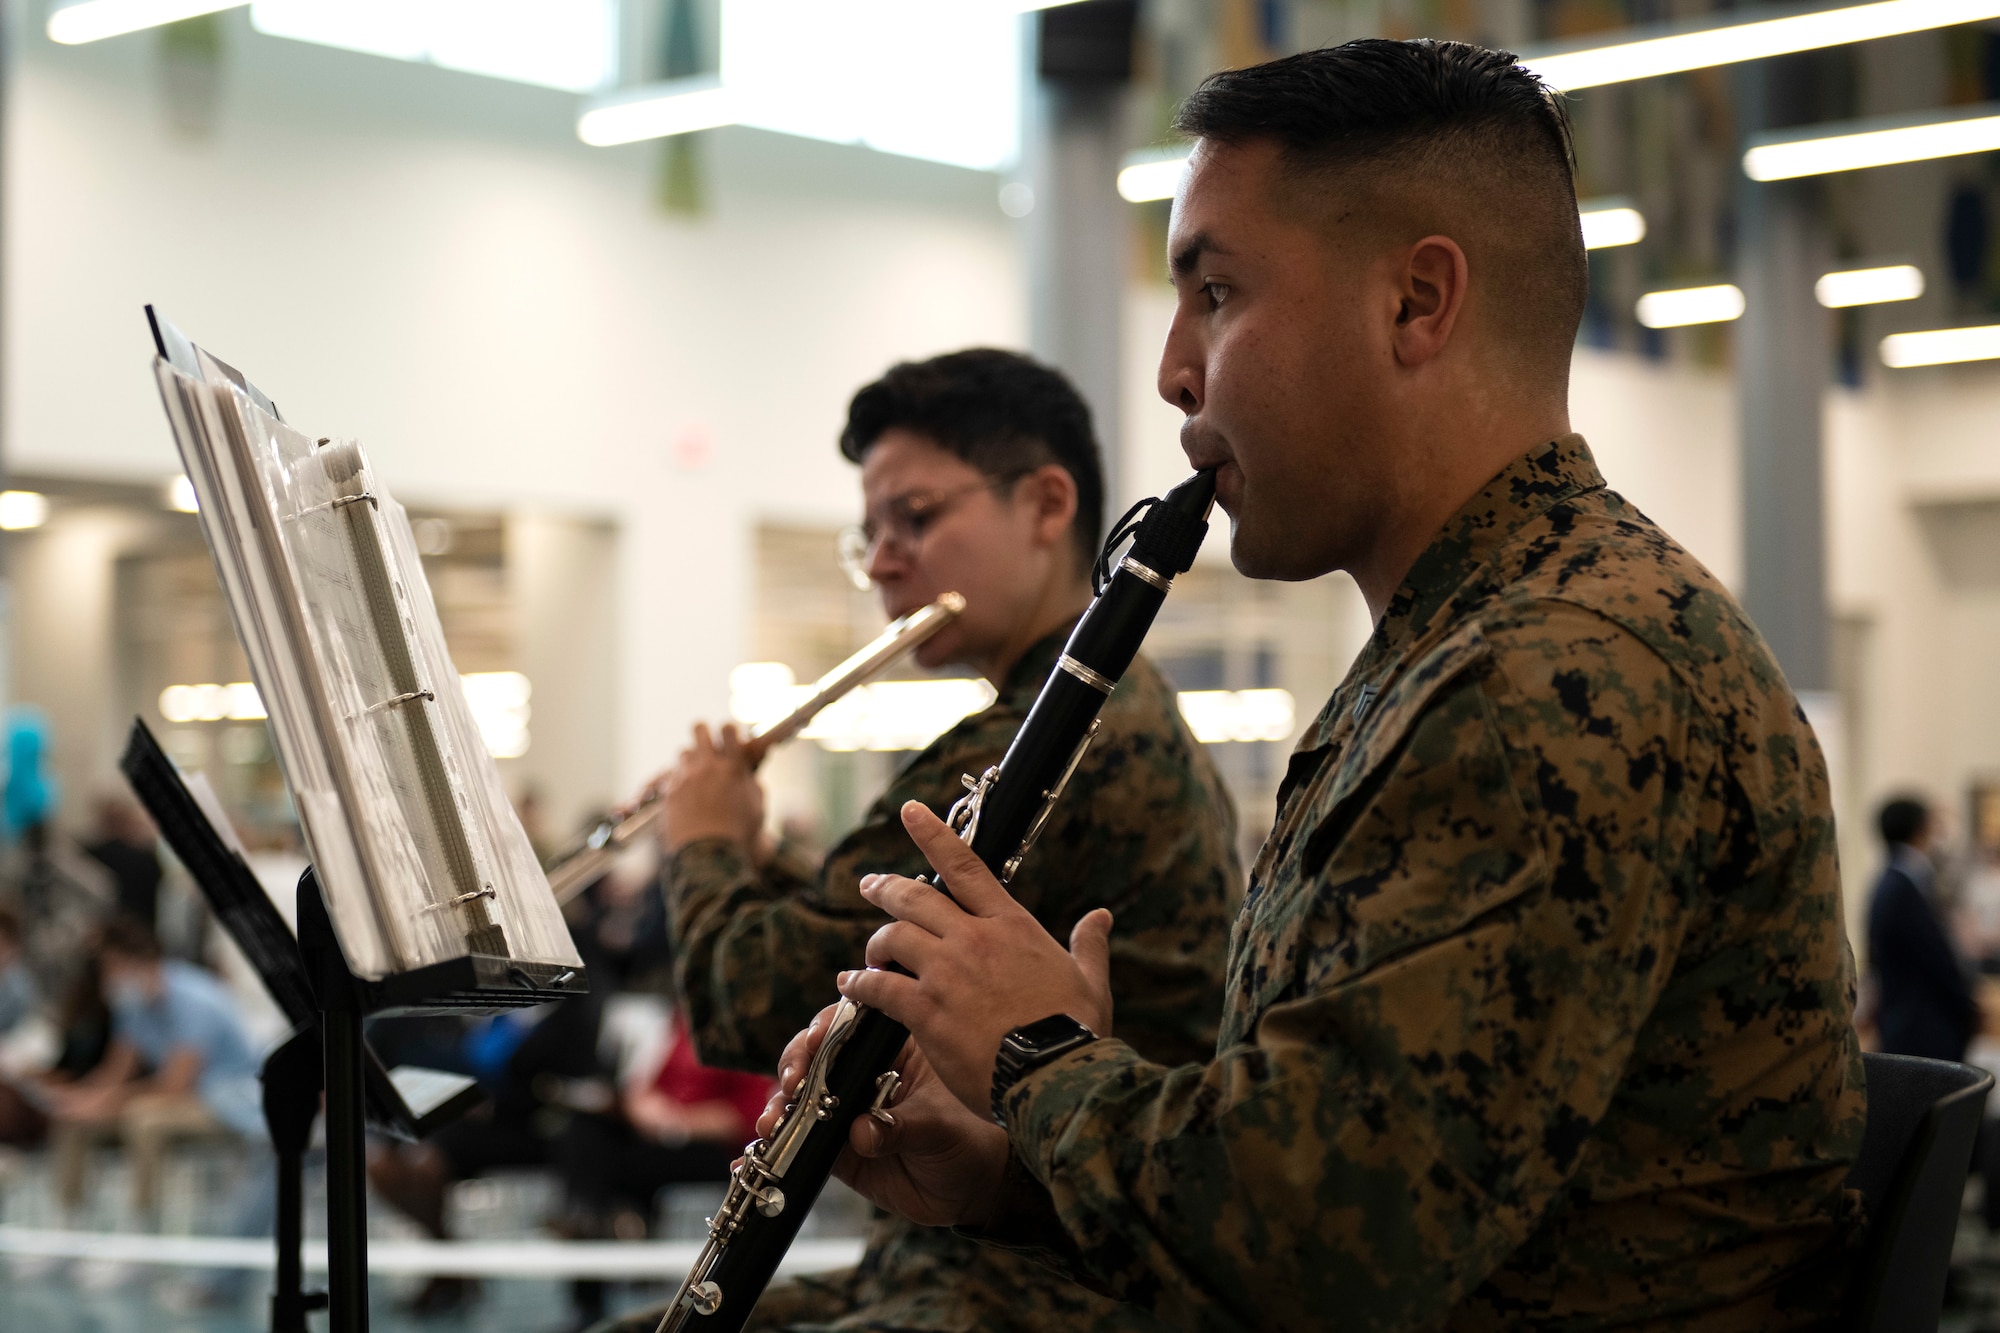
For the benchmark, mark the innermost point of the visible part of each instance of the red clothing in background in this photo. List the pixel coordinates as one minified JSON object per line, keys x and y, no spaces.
{"x":689,"y":1083}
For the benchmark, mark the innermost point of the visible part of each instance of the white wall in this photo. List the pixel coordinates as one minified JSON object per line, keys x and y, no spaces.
{"x":432,"y":263}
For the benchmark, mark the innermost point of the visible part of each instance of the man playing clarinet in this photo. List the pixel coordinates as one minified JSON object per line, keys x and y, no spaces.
{"x":1539,"y":1003}
{"x":979,"y":475}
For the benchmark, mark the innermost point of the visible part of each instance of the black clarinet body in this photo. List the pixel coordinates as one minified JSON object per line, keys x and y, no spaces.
{"x":780,"y":1177}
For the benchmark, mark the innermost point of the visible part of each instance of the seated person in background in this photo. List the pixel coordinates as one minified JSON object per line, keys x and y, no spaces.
{"x":516,"y":1057}
{"x":125,"y":843}
{"x":17,"y":989}
{"x":681,"y":1126}
{"x":1924,"y":999}
{"x":179,"y":1064}
{"x":21,"y":1121}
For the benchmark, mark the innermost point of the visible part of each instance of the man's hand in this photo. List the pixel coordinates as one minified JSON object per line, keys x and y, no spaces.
{"x":937,"y":1164}
{"x":982,"y":966}
{"x":710,"y":793}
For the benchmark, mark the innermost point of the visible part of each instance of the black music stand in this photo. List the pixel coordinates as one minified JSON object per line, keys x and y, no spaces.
{"x":326,"y":1051}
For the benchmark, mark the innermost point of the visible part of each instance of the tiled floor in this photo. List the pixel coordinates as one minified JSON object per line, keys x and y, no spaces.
{"x":40,"y":1295}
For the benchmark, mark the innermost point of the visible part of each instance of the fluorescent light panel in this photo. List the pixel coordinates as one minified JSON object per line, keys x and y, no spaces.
{"x":679,"y":106}
{"x":1880,"y":142}
{"x":1672,"y":49}
{"x":915,"y":78}
{"x":1940,"y":347}
{"x":1683,"y":306}
{"x":1870,"y":286}
{"x":1150,"y":176}
{"x":566,"y":44}
{"x":1610,"y":222}
{"x":21,"y":510}
{"x":94,"y":20}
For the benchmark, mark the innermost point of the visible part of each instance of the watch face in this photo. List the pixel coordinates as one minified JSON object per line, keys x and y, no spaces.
{"x":1050,"y":1031}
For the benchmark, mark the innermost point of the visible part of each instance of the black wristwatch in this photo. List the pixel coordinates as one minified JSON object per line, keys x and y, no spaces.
{"x":1030,"y":1047}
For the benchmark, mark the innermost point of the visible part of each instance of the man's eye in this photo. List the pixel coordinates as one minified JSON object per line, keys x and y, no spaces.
{"x":1216,"y":292}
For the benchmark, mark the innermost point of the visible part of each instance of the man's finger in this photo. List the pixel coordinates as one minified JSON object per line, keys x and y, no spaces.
{"x":963,"y":873}
{"x":730,"y":743}
{"x":900,"y":942}
{"x":908,"y":900}
{"x":893,"y":993}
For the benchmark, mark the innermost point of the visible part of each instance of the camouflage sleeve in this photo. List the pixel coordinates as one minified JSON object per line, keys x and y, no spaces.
{"x":1444,"y":980}
{"x":755,"y":955}
{"x":1144,"y":829}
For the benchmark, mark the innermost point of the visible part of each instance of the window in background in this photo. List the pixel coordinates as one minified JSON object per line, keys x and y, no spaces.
{"x":567,"y":44}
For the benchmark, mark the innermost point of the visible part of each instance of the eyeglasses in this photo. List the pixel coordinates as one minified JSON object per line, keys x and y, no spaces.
{"x":908,"y":518}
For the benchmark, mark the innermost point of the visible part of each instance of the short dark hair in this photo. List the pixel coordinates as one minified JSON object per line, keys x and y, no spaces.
{"x":999,"y":411}
{"x":1462,"y":116}
{"x":128,"y":937}
{"x":1902,"y":820}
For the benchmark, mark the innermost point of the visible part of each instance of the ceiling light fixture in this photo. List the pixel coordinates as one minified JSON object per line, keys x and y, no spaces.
{"x":1154,"y":175}
{"x":1941,"y":347}
{"x":1870,"y":286}
{"x":93,"y":20}
{"x":1609,"y":222}
{"x":21,"y":510}
{"x":1677,"y":308}
{"x":1675,"y":48}
{"x":1877,"y":142}
{"x":677,"y":106}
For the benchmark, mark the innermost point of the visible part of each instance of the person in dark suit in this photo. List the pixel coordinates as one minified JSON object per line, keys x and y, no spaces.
{"x":1925,"y":1003}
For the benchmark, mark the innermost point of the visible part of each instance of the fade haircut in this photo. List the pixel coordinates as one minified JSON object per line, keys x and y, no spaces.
{"x":1407,"y":123}
{"x":1000,"y":412}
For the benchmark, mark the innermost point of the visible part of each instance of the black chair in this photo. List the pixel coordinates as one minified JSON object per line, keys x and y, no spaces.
{"x":1922,"y":1118}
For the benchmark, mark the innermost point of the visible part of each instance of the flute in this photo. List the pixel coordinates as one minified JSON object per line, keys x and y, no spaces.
{"x":853,"y":1073}
{"x":582,"y":866}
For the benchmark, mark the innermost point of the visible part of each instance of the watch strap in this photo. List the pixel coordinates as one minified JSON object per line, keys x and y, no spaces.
{"x":1028,"y":1048}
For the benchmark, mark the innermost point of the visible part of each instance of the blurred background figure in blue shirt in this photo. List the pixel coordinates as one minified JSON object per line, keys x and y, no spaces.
{"x":180,"y":1065}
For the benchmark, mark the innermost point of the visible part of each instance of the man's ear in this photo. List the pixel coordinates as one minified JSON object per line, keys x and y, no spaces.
{"x":1432,"y":287}
{"x":1052,"y":492}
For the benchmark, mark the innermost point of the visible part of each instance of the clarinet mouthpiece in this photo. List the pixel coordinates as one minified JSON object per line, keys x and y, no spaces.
{"x":1175,"y":527}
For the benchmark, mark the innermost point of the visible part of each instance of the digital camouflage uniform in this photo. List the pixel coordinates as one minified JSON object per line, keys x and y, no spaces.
{"x":1144,"y":828}
{"x":1539,"y":1006}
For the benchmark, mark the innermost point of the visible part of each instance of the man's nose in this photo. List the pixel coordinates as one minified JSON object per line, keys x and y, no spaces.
{"x":1180,"y":377}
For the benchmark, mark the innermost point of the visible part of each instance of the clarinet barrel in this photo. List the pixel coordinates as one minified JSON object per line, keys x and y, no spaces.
{"x":853,"y":1073}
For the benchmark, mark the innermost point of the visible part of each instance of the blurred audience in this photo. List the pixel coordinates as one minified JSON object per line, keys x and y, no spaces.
{"x":520,"y":1058}
{"x":127,"y":845}
{"x":179,"y":1064}
{"x":1925,"y":1003}
{"x":18,"y":999}
{"x":682,"y":1125}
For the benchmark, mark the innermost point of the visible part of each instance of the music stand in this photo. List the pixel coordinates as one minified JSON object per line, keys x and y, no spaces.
{"x":406,"y":1103}
{"x":425,"y":894}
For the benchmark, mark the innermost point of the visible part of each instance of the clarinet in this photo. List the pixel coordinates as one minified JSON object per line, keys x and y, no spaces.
{"x":779,"y":1178}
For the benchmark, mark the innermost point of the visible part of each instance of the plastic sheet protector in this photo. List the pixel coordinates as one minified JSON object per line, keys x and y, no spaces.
{"x":418,"y":849}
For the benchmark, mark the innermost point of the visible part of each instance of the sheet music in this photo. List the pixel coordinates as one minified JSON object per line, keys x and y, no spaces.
{"x":419,"y":851}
